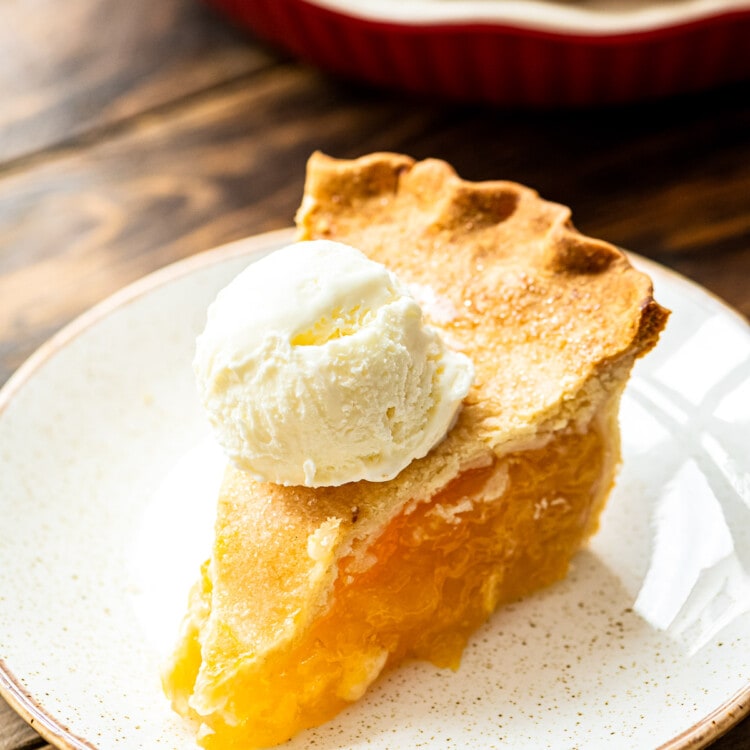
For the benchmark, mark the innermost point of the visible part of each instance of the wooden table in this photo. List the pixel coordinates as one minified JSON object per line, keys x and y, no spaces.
{"x":134,"y":134}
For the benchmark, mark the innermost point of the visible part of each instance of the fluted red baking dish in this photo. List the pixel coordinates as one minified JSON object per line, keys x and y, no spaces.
{"x":534,"y":52}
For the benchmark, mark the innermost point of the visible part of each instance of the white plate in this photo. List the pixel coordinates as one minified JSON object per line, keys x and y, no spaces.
{"x":100,"y":538}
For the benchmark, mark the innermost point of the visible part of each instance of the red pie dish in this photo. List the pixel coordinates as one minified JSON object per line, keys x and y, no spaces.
{"x":522,"y":52}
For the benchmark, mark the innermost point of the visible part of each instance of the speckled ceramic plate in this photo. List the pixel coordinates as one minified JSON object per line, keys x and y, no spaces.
{"x":107,"y":486}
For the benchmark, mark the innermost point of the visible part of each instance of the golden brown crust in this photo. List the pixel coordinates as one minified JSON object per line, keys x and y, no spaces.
{"x":539,"y":307}
{"x":553,"y":321}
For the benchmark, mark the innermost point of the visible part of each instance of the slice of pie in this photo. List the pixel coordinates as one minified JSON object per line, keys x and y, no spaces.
{"x":311,"y":593}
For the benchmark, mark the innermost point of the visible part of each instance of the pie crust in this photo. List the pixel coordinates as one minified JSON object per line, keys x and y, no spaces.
{"x":311,"y":593}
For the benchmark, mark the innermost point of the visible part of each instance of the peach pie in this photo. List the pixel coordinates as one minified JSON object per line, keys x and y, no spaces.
{"x":311,"y":593}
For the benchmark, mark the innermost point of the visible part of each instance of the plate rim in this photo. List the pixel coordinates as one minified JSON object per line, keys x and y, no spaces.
{"x":708,"y":729}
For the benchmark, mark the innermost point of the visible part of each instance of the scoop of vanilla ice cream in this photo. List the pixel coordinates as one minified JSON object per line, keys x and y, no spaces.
{"x":315,"y":368}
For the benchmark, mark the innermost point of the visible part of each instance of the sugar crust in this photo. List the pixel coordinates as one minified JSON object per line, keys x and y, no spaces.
{"x":553,"y":321}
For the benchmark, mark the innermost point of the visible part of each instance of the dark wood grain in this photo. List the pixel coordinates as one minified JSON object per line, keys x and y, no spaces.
{"x":135,"y":134}
{"x":69,"y":71}
{"x":16,"y":734}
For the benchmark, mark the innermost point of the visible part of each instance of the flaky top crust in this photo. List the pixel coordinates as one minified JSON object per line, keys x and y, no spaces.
{"x":503,"y":275}
{"x":552,"y":320}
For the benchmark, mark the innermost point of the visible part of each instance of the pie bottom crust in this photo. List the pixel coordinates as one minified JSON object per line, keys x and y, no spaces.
{"x":503,"y":527}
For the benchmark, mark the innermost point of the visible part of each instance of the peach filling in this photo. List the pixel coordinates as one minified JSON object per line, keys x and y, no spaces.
{"x":436,"y":573}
